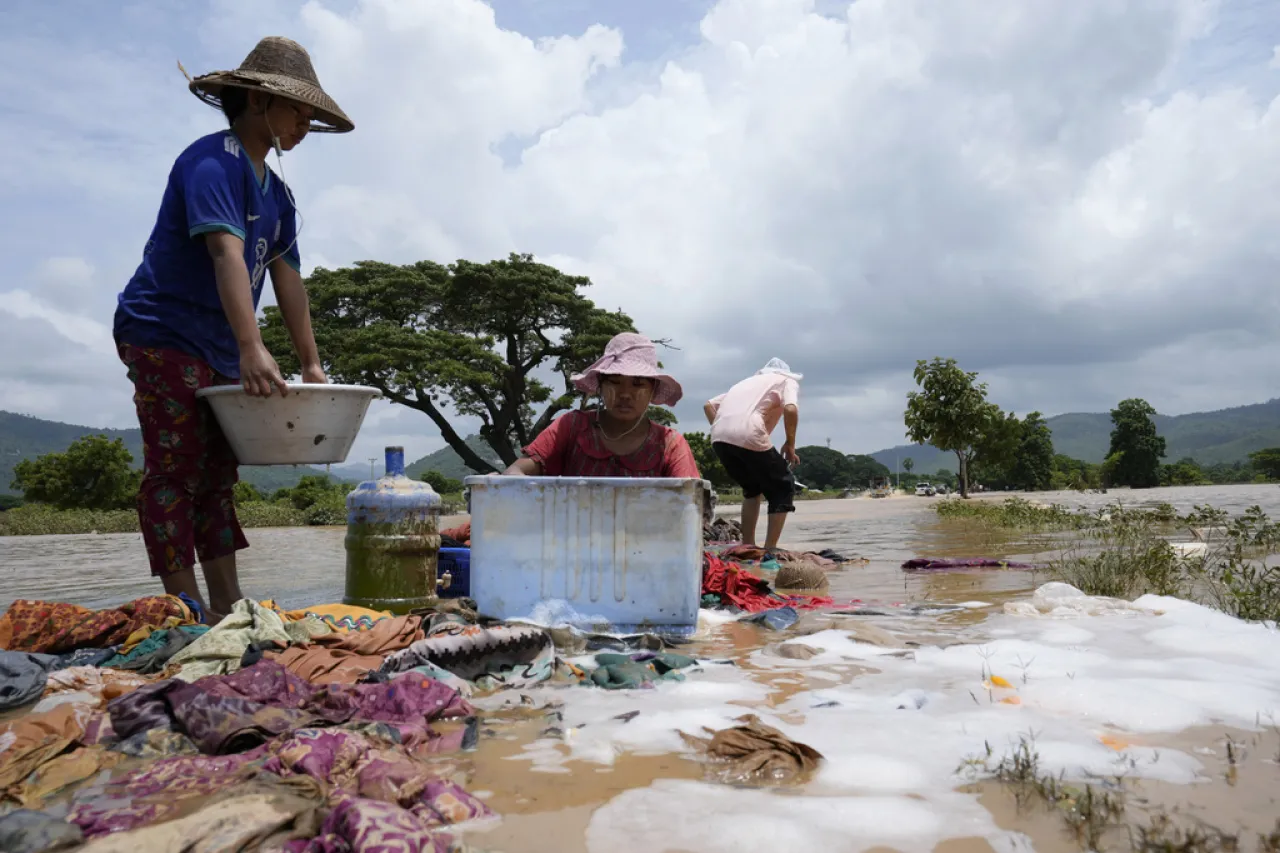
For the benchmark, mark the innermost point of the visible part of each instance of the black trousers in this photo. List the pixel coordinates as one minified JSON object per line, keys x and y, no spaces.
{"x":760,"y":472}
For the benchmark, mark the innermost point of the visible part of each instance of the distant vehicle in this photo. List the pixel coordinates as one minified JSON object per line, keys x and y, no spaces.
{"x":924,"y":490}
{"x":942,"y":490}
{"x":881,"y":487}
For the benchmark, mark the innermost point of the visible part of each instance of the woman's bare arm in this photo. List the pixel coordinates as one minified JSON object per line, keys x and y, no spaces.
{"x":523,"y":467}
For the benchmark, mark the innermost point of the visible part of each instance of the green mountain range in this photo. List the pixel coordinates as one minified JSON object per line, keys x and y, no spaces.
{"x":23,"y":437}
{"x":1227,"y":435}
{"x":450,"y":464}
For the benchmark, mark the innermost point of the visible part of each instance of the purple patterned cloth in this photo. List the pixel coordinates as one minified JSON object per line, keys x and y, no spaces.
{"x":357,"y":825}
{"x":231,"y":713}
{"x":372,"y":782}
{"x":158,"y":791}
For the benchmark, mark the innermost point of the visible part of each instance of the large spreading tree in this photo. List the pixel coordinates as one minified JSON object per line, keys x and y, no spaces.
{"x":467,"y":337}
{"x":951,"y":412}
{"x":1136,"y":447}
{"x":824,"y":468}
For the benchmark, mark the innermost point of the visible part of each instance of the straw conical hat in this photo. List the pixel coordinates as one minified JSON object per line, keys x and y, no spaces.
{"x":279,"y":66}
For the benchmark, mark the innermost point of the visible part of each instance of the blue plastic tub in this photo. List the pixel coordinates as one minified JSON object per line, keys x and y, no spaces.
{"x":456,"y":561}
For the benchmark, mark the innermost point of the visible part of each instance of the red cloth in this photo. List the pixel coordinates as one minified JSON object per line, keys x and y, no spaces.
{"x":739,"y":587}
{"x":572,"y":447}
{"x":461,"y":533}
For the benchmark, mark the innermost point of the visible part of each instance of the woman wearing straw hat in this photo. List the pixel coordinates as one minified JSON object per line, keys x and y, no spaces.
{"x":187,"y":318}
{"x":618,"y":439}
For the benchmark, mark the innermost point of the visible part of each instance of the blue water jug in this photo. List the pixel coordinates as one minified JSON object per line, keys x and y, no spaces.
{"x":393,"y":541}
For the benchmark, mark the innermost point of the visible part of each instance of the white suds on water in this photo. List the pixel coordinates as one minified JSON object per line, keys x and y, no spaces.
{"x":1098,"y":686}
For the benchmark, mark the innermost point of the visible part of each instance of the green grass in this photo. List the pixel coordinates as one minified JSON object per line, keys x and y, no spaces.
{"x":1104,"y":815}
{"x":1025,"y":515}
{"x":42,"y":520}
{"x":1123,"y":552}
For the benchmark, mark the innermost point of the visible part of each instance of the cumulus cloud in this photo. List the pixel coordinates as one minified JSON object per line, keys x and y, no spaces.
{"x":1046,"y":192}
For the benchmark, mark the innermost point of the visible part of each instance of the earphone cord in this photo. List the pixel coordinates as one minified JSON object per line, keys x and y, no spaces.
{"x":275,"y":143}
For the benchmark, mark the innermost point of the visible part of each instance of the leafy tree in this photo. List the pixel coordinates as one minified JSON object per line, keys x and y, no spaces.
{"x":1223,"y":473}
{"x":863,"y":469}
{"x":9,"y":502}
{"x":951,"y":412}
{"x":823,"y":468}
{"x":1134,"y":437}
{"x":709,"y":465}
{"x":247,"y":493}
{"x":1033,"y":463}
{"x":443,"y":485}
{"x":908,"y":464}
{"x":311,"y":490}
{"x":1267,"y":462}
{"x":995,"y":451}
{"x":93,"y":473}
{"x":1071,"y":473}
{"x":467,"y":337}
{"x":1185,"y":472}
{"x":1107,"y":471}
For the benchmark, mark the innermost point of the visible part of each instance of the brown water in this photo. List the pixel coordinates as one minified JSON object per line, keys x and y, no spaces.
{"x":304,"y":566}
{"x":299,"y":566}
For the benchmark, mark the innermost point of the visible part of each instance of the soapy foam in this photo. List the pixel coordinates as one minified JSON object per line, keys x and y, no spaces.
{"x":1098,"y":691}
{"x":557,"y":613}
{"x":678,"y":814}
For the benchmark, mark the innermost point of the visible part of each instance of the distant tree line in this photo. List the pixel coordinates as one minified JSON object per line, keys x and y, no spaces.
{"x":950,"y":412}
{"x":97,"y":473}
{"x":997,"y":449}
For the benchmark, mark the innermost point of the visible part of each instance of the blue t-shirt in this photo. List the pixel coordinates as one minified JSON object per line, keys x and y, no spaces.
{"x":172,"y":300}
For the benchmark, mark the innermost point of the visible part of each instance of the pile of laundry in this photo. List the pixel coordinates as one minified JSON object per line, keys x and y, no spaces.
{"x":795,"y":571}
{"x":322,"y":730}
{"x":728,"y":584}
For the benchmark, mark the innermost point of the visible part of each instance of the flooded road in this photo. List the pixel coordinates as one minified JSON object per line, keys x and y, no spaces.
{"x":895,"y":703}
{"x":299,"y":566}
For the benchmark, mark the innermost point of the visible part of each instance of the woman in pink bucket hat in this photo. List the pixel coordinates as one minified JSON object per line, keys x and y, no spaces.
{"x":617,"y":439}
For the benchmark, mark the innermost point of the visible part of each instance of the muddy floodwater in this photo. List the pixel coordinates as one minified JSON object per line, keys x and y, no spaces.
{"x":1179,"y":705}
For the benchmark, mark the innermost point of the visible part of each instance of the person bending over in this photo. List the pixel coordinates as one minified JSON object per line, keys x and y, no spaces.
{"x":742,"y":420}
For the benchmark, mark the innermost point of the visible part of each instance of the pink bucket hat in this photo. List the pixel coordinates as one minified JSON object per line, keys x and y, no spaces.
{"x":630,"y":354}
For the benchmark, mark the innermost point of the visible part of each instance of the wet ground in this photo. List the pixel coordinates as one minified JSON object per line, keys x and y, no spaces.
{"x":566,"y":775}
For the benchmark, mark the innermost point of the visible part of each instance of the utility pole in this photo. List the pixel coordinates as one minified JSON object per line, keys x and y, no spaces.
{"x":828,"y":444}
{"x":372,"y":461}
{"x":897,"y":473}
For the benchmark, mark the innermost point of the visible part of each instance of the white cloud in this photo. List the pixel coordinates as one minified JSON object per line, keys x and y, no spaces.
{"x":1023,"y":187}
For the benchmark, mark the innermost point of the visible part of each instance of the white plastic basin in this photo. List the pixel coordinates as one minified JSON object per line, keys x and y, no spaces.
{"x":314,"y":425}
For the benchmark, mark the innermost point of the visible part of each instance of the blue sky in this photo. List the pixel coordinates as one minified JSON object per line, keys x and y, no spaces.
{"x":1077,"y":200}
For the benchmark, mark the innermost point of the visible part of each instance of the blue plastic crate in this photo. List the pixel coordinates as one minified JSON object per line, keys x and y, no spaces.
{"x":456,"y":561}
